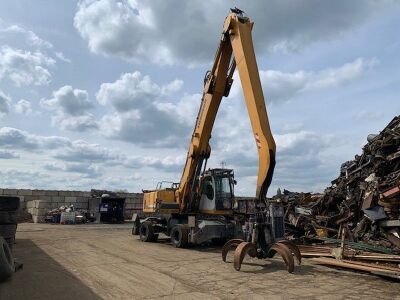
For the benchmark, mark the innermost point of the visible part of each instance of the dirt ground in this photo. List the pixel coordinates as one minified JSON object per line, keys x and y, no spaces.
{"x":107,"y":262}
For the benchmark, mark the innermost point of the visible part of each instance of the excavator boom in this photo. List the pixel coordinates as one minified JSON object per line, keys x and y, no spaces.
{"x":235,"y":51}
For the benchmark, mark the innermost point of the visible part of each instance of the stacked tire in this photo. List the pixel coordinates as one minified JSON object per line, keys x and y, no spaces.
{"x":8,"y":218}
{"x":6,"y":261}
{"x":8,"y":226}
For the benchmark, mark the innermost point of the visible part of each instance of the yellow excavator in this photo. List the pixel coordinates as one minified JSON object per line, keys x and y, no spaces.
{"x":200,"y":208}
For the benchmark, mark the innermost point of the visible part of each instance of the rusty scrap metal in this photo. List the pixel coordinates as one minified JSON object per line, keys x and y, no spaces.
{"x":387,"y":271}
{"x":364,"y":199}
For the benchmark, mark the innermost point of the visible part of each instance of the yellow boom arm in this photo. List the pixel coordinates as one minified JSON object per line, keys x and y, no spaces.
{"x":235,"y":51}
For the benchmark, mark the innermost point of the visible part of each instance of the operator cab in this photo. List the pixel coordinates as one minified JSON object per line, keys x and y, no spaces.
{"x":217,"y":191}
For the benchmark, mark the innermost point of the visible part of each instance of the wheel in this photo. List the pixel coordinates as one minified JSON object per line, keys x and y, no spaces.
{"x":8,"y":217}
{"x":180,"y":236}
{"x":8,"y":231}
{"x":146,"y":232}
{"x":8,"y":203}
{"x":155,"y":237}
{"x":6,"y":261}
{"x":135,"y":229}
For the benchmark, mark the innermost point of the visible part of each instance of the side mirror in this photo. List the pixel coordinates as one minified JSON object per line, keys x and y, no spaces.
{"x":234,"y":182}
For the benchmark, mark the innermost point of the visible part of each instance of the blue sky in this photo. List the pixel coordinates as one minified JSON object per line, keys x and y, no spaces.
{"x":104,"y":94}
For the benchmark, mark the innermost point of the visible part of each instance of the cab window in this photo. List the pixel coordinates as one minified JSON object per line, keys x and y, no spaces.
{"x":208,"y":189}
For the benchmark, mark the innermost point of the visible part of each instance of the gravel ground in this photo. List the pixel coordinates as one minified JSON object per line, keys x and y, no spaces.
{"x":107,"y":262}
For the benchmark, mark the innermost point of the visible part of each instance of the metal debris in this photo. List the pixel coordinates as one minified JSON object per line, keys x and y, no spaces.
{"x":363,"y":203}
{"x":385,"y":271}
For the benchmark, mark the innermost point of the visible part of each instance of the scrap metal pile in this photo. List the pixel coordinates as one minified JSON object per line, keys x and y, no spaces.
{"x":363,"y":203}
{"x":68,"y":215}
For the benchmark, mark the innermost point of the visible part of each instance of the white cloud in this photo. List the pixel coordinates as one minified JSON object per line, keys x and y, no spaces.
{"x":124,"y":25}
{"x":62,"y":57}
{"x":172,"y":87}
{"x":6,"y":154}
{"x":71,"y":108}
{"x":300,"y":143}
{"x":68,"y":100}
{"x":131,"y":91}
{"x":149,"y":128}
{"x":75,"y":123}
{"x":82,"y":151}
{"x":32,"y":38}
{"x":25,"y":67}
{"x":302,"y":163}
{"x":280,"y":86}
{"x":86,"y":169}
{"x":187,"y":32}
{"x":13,"y":138}
{"x":12,"y":177}
{"x":18,"y":35}
{"x":141,"y":116}
{"x":336,"y":76}
{"x":167,"y":163}
{"x":186,"y":108}
{"x":23,"y":107}
{"x":4,"y":103}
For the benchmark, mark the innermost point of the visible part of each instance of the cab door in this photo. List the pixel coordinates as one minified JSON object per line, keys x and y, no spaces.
{"x":223,"y":193}
{"x":207,"y":200}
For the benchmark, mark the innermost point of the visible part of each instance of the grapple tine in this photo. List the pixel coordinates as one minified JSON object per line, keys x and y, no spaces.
{"x":294,"y":249}
{"x":241,"y":252}
{"x":228,"y":246}
{"x":286,"y":254}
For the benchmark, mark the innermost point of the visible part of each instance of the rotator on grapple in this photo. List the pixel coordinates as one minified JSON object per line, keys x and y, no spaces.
{"x":264,"y":238}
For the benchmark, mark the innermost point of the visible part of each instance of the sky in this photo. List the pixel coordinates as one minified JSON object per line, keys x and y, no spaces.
{"x":104,"y":94}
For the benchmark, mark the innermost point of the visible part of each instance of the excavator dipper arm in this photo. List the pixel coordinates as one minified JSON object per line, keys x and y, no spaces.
{"x":235,"y":51}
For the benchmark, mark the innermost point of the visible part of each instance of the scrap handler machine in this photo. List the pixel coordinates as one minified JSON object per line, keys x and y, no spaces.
{"x":200,"y":207}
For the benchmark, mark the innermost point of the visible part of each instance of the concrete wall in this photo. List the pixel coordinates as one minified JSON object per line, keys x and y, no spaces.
{"x":38,"y":202}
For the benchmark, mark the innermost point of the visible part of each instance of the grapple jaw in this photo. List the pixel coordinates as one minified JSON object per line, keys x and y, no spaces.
{"x":284,"y":248}
{"x":241,"y":251}
{"x":230,"y":245}
{"x":293,"y":249}
{"x":286,"y":254}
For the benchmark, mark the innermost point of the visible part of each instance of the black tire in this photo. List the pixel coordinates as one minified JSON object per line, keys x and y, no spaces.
{"x":146,"y":232}
{"x":180,"y":236}
{"x":6,"y":261}
{"x":8,"y":217}
{"x":135,"y":229}
{"x":8,"y":231}
{"x":10,"y":242}
{"x":8,"y":203}
{"x":155,"y":237}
